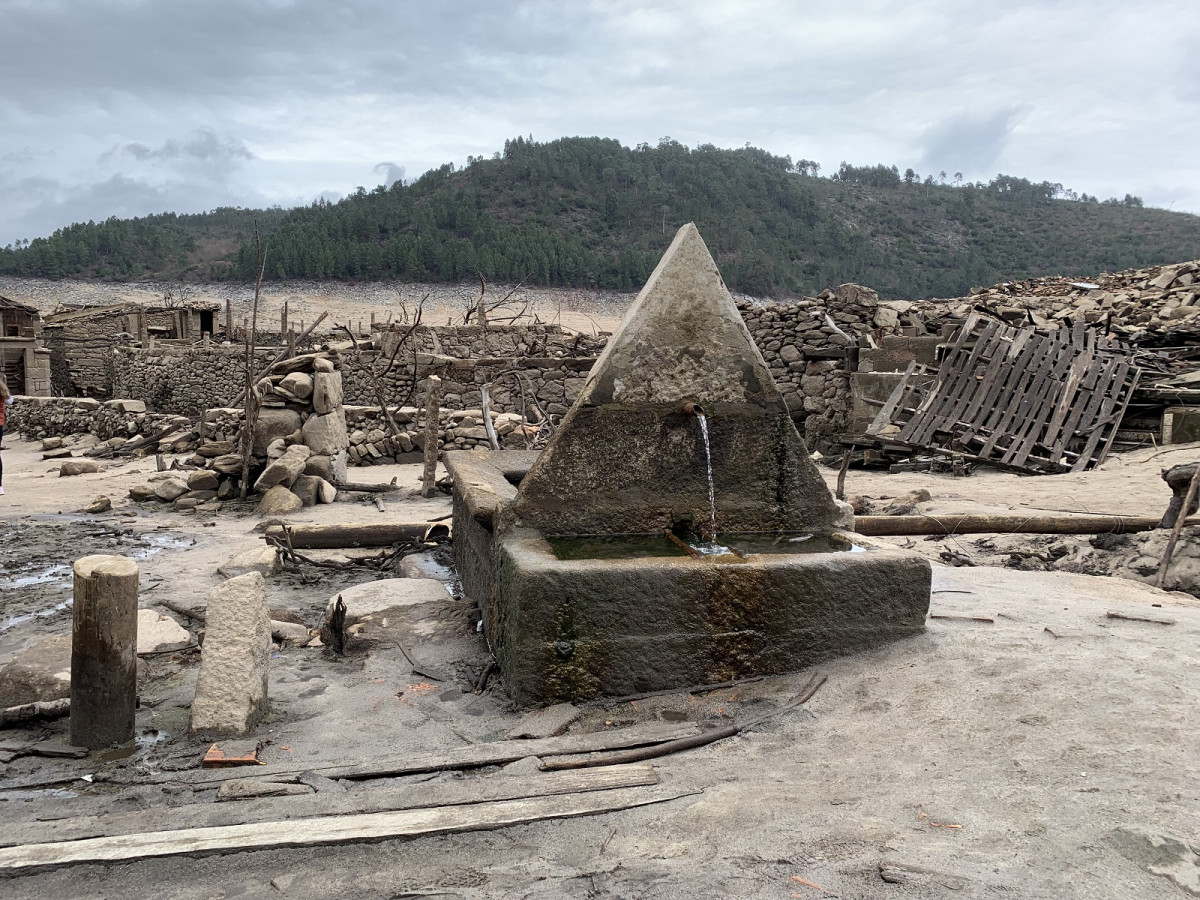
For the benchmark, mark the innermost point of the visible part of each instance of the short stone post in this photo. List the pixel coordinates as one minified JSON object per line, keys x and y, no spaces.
{"x":433,"y":408}
{"x":104,"y":651}
{"x":228,"y":320}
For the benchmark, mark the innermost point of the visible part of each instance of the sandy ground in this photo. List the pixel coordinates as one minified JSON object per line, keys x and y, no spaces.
{"x":1050,"y":752}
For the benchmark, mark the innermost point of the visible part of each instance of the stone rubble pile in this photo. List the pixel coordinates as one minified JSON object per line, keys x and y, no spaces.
{"x":1135,"y":305}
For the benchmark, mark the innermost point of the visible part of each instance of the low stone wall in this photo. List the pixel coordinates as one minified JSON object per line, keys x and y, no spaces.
{"x":35,"y":418}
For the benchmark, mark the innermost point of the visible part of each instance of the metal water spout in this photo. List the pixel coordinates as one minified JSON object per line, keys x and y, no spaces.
{"x":690,"y":408}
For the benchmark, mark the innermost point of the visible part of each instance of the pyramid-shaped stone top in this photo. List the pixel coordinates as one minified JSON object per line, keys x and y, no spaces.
{"x":683,"y":338}
{"x":629,"y":459}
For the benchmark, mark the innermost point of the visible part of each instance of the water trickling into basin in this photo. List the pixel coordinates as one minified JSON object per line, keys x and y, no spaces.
{"x":710,"y":546}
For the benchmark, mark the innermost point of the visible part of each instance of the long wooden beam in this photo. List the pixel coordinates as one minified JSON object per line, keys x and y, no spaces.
{"x":892,"y":526}
{"x":383,"y":534}
{"x":328,"y":829}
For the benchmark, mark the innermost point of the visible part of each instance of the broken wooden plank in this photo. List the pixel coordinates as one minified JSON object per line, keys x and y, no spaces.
{"x":329,"y":829}
{"x":500,"y":786}
{"x":473,"y":757}
{"x":1130,"y":617}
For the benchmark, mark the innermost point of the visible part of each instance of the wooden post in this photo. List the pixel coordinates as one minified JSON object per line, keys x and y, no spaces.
{"x":291,"y":343}
{"x":228,"y":319}
{"x":433,"y":408}
{"x":141,"y":322}
{"x":104,"y":651}
{"x":283,"y":329}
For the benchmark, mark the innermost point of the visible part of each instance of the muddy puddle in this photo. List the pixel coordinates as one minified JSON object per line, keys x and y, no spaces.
{"x":36,"y":559}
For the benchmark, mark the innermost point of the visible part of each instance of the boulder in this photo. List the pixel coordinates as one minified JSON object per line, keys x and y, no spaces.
{"x":298,"y":384}
{"x":79,"y":467}
{"x":170,"y":489}
{"x":322,"y":365}
{"x":326,"y":492}
{"x":279,"y":501}
{"x":377,"y":600}
{"x":307,"y":488}
{"x":213,"y":449}
{"x":229,"y":464}
{"x":156,"y":633}
{"x":326,"y":434}
{"x":327,"y":395}
{"x":140,"y":493}
{"x":231,"y":691}
{"x":127,"y":406}
{"x":39,"y":673}
{"x":262,"y":559}
{"x":203,"y":480}
{"x":282,"y":471}
{"x":290,"y":634}
{"x":319,"y":465}
{"x":52,"y":443}
{"x":272,"y":424}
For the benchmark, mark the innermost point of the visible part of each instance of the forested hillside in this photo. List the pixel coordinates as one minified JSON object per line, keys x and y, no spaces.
{"x":588,"y":211}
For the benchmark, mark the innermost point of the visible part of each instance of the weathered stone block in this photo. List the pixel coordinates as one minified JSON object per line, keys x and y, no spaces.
{"x":327,"y":392}
{"x":326,"y":434}
{"x":231,"y":691}
{"x":272,"y":424}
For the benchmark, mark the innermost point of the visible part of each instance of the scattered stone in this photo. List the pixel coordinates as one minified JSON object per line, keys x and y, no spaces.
{"x":378,"y":599}
{"x":282,"y":471}
{"x":231,"y":691}
{"x":229,"y":464}
{"x":272,"y":424}
{"x":52,"y":443}
{"x":213,"y":449}
{"x":142,"y":492}
{"x":261,"y":559}
{"x":37,"y":674}
{"x":99,"y":505}
{"x":544,"y":723}
{"x":279,"y":501}
{"x":170,"y":489}
{"x":79,"y":467}
{"x":307,"y":488}
{"x":326,"y":434}
{"x":326,"y":492}
{"x":322,"y":365}
{"x":298,"y":384}
{"x":64,"y":453}
{"x":203,"y":480}
{"x":157,"y":633}
{"x":320,"y":465}
{"x":289,"y":633}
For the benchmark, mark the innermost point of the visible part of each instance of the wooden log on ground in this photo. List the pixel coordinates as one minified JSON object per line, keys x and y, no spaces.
{"x":894,"y":526}
{"x":329,"y":829}
{"x":38,"y":710}
{"x":332,"y":537}
{"x":367,"y":488}
{"x":104,"y":651}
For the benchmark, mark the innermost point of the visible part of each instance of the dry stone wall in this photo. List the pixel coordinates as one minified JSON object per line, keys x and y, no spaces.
{"x":35,"y":418}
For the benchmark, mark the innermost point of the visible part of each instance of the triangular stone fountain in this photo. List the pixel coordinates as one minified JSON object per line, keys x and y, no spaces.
{"x":599,"y":575}
{"x":629,"y":458}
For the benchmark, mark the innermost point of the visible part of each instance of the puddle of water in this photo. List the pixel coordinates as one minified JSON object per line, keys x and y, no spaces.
{"x":13,"y":621}
{"x":54,"y":573}
{"x":650,"y":545}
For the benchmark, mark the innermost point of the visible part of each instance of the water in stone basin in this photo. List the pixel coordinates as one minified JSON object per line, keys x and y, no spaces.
{"x":646,"y":546}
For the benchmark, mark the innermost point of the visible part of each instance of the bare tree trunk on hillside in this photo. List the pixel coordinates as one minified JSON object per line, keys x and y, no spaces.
{"x":249,"y":397}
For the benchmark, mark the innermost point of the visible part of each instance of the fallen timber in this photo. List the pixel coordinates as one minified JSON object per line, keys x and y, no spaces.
{"x":895,"y":526}
{"x":328,"y":537}
{"x":328,"y":829}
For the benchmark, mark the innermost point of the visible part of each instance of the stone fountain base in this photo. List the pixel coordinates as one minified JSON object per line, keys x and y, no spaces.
{"x":580,"y":628}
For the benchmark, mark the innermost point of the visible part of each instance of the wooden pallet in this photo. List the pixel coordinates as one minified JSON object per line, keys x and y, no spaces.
{"x":1022,"y":399}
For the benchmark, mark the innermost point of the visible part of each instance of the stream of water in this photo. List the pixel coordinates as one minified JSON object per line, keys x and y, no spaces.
{"x":710,"y":546}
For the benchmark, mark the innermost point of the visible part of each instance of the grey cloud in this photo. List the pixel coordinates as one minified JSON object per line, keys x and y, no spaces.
{"x":204,"y":144}
{"x":968,"y":142}
{"x":390,"y":171}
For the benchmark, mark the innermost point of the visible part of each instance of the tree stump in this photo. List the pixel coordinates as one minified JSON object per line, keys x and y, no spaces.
{"x":104,"y":651}
{"x":1178,"y":478}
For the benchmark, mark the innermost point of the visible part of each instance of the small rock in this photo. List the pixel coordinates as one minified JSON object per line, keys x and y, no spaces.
{"x":99,"y":505}
{"x":156,"y":633}
{"x":544,"y":723}
{"x":79,"y":467}
{"x":203,"y":480}
{"x":307,"y":488}
{"x":170,"y":489}
{"x":289,"y":633}
{"x":261,"y":559}
{"x":38,"y":673}
{"x":142,"y":492}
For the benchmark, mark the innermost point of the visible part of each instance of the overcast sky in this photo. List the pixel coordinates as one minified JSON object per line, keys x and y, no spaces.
{"x":129,"y":107}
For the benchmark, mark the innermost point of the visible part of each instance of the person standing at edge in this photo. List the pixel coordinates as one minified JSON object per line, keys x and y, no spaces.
{"x":5,"y":402}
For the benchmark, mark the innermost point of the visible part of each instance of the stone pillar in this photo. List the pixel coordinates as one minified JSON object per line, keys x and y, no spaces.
{"x":433,"y":408}
{"x":104,"y":651}
{"x":231,"y":692}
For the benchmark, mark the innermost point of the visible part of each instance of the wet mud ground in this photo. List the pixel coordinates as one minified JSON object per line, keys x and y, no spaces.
{"x":1028,"y":745}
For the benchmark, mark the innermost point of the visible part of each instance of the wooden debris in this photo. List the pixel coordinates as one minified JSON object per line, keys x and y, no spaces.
{"x":38,"y":710}
{"x":1112,"y":614}
{"x":328,"y":830}
{"x":472,"y":757}
{"x":375,"y":798}
{"x":332,"y":537}
{"x":962,"y":618}
{"x":1027,"y":400}
{"x":892,"y":526}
